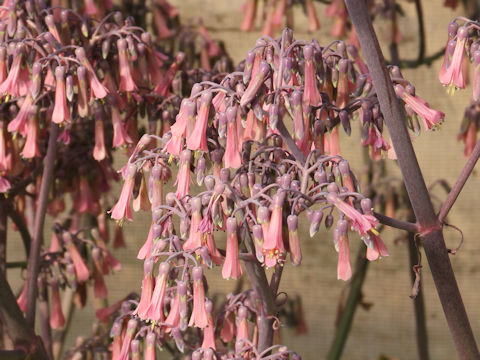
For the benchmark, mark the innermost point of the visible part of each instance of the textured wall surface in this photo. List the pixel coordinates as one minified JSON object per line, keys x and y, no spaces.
{"x":388,"y":327}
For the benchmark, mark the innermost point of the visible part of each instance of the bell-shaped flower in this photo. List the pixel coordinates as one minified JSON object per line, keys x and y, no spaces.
{"x":231,"y":267}
{"x":148,"y":284}
{"x":155,"y":309}
{"x":199,"y":313}
{"x":121,"y":210}
{"x":61,"y":113}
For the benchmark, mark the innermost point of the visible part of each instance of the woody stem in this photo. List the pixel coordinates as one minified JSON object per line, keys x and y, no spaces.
{"x":462,"y":179}
{"x":37,"y":239}
{"x":433,"y":241}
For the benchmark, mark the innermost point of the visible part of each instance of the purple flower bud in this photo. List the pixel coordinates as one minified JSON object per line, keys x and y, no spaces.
{"x":366,"y":205}
{"x":208,"y":354}
{"x":273,"y":116}
{"x":263,"y":215}
{"x":247,"y":71}
{"x":222,"y":125}
{"x":345,"y":121}
{"x":287,"y":63}
{"x":231,"y":113}
{"x":184,"y":226}
{"x":177,"y":336}
{"x":209,"y":182}
{"x":69,"y":87}
{"x":135,"y":348}
{"x":307,"y":52}
{"x":315,"y":222}
{"x":332,"y":188}
{"x":200,"y":170}
{"x":225,"y":175}
{"x":132,"y":48}
{"x":258,"y":241}
{"x":170,"y":199}
{"x":452,"y":29}
{"x":195,"y":90}
{"x":105,"y":47}
{"x":197,"y":355}
{"x":329,"y":221}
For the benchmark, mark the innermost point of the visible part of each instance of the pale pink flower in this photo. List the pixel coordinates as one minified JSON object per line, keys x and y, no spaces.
{"x":18,"y":124}
{"x":30,"y":149}
{"x":11,"y":84}
{"x":120,"y":135}
{"x":99,"y":150}
{"x":294,"y":240}
{"x":311,"y":95}
{"x":376,"y":247}
{"x":209,"y":330}
{"x":57,"y":319}
{"x":273,"y":247}
{"x":199,"y":313}
{"x":81,"y":269}
{"x":198,"y":138}
{"x":148,"y":284}
{"x":249,"y":9}
{"x":313,"y":22}
{"x":231,"y":267}
{"x":127,"y":340}
{"x":340,"y":235}
{"x":99,"y":91}
{"x":453,"y":77}
{"x":232,"y":157}
{"x":183,"y":178}
{"x":121,"y":210}
{"x":126,"y":81}
{"x":61,"y":113}
{"x":155,"y":309}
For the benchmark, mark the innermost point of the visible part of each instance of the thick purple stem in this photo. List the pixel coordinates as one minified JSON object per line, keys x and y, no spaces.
{"x":433,"y":242}
{"x":462,"y":179}
{"x":34,"y":258}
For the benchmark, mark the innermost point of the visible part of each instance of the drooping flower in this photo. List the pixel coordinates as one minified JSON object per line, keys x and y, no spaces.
{"x":258,"y":77}
{"x":431,"y":118}
{"x":340,"y":235}
{"x":198,"y":138}
{"x":231,"y":267}
{"x":19,"y":123}
{"x":249,"y":10}
{"x":232,"y":156}
{"x":453,"y":77}
{"x":57,"y":319}
{"x":311,"y":95}
{"x":30,"y":149}
{"x":127,"y":339}
{"x":99,"y":287}
{"x":179,"y":129}
{"x":148,"y":284}
{"x":194,"y":240}
{"x":294,"y":240}
{"x":150,"y":345}
{"x":11,"y":84}
{"x":362,"y":223}
{"x":242,"y":327}
{"x":99,"y":91}
{"x":199,"y":313}
{"x":99,"y":150}
{"x":155,"y":309}
{"x":61,"y":113}
{"x":209,"y":330}
{"x":313,"y":22}
{"x":120,"y":135}
{"x":126,"y":80}
{"x":375,"y":247}
{"x":183,"y":178}
{"x":273,"y":247}
{"x":121,"y":210}
{"x":81,"y":269}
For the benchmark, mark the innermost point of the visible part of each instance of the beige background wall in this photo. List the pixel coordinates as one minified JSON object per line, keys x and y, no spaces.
{"x":388,"y":327}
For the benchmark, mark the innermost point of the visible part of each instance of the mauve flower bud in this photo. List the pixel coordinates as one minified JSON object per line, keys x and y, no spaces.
{"x":205,"y":256}
{"x":395,"y":71}
{"x":256,"y":188}
{"x":36,"y":83}
{"x":84,"y":28}
{"x":197,"y":355}
{"x":116,"y":329}
{"x":177,"y":336}
{"x":285,"y":181}
{"x":452,"y":29}
{"x":231,"y":113}
{"x":69,"y":91}
{"x":156,"y":215}
{"x":273,"y":116}
{"x":320,"y":176}
{"x":258,"y":241}
{"x":135,"y":349}
{"x":295,"y":185}
{"x":71,"y":277}
{"x":332,"y":188}
{"x":307,"y":52}
{"x":263,"y":215}
{"x":366,"y":205}
{"x":247,"y":71}
{"x":225,"y":175}
{"x":106,"y":47}
{"x":200,"y":170}
{"x":345,"y":121}
{"x":209,"y":182}
{"x":184,"y":227}
{"x":222,"y":125}
{"x":287,"y":69}
{"x":315,"y":222}
{"x":131,"y":48}
{"x":296,"y":357}
{"x":329,"y":221}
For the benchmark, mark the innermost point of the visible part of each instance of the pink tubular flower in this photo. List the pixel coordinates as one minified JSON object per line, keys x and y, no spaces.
{"x":198,"y":138}
{"x":99,"y":91}
{"x":453,"y":77}
{"x":120,"y":135}
{"x":30,"y":149}
{"x":340,"y":235}
{"x":127,"y":340}
{"x":279,"y":13}
{"x":476,"y":76}
{"x":232,"y":156}
{"x":148,"y":284}
{"x":11,"y":84}
{"x":121,"y":210}
{"x":311,"y":95}
{"x":22,"y":298}
{"x":4,"y":185}
{"x":313,"y":22}
{"x":199,"y":313}
{"x":85,"y":201}
{"x":100,"y":150}
{"x":294,"y":240}
{"x":209,"y":330}
{"x":362,"y":223}
{"x":231,"y":267}
{"x":155,"y":309}
{"x":195,"y":235}
{"x":81,"y":269}
{"x":150,"y":341}
{"x":61,"y":113}
{"x":431,"y":118}
{"x":126,"y":81}
{"x":18,"y":124}
{"x":173,"y":317}
{"x":183,"y":178}
{"x":376,"y":248}
{"x":249,"y":10}
{"x":242,"y":324}
{"x":163,"y":87}
{"x":469,"y":138}
{"x":57,"y":320}
{"x":273,"y":248}
{"x":179,"y":129}
{"x":99,"y":287}
{"x":258,"y":77}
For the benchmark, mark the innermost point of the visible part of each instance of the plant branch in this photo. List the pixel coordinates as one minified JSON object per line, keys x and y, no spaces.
{"x":421,"y":31}
{"x":433,"y":241}
{"x":398,"y":224}
{"x":34,"y":257}
{"x":462,"y":179}
{"x":288,"y":140}
{"x":17,"y":328}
